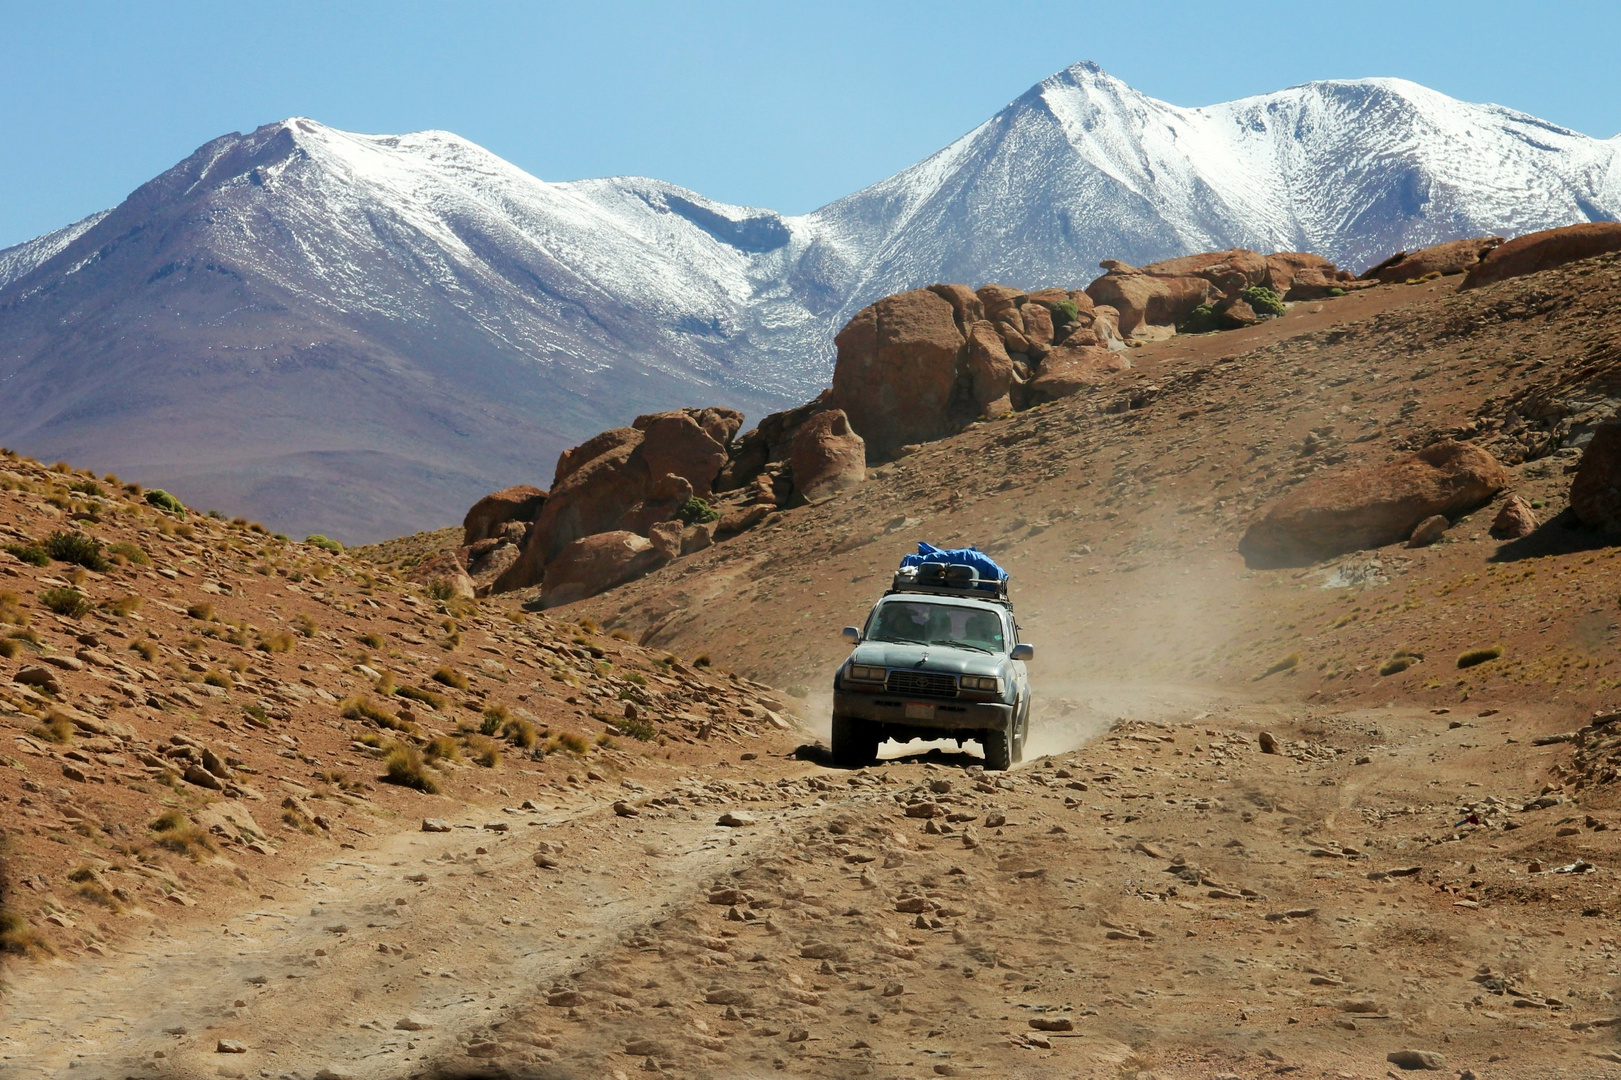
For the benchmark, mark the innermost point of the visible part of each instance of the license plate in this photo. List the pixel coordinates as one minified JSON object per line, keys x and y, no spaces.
{"x":917,"y":710}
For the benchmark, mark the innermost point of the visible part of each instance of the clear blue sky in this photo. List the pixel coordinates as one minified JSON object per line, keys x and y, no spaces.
{"x":781,"y":105}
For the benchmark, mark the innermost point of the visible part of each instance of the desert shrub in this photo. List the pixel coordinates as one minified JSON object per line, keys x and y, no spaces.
{"x":33,"y":554}
{"x":9,"y":648}
{"x":1065,"y":311}
{"x":164,"y":501}
{"x":701,"y":660}
{"x":450,"y":677}
{"x":404,"y":767}
{"x":317,"y":540}
{"x":10,"y":611}
{"x":129,"y":552}
{"x":1201,"y":320}
{"x":1262,"y":300}
{"x":146,"y":647}
{"x":57,"y":728}
{"x":696,"y":511}
{"x":426,"y":697}
{"x":123,"y":607}
{"x":485,"y":751}
{"x":519,"y":732}
{"x":441,"y":589}
{"x":88,"y":884}
{"x":361,"y":708}
{"x":306,"y":626}
{"x":571,"y":741}
{"x":494,"y":717}
{"x":65,"y":601}
{"x":256,"y":715}
{"x":373,"y":641}
{"x":1479,"y":656}
{"x":1395,"y":665}
{"x":219,"y":679}
{"x":203,"y":612}
{"x":20,"y":939}
{"x":636,"y":677}
{"x":86,"y":487}
{"x":637,"y":729}
{"x":179,"y":835}
{"x":1288,"y":663}
{"x":1336,"y":291}
{"x":619,"y":635}
{"x":79,"y":549}
{"x":442,"y":748}
{"x":279,"y":642}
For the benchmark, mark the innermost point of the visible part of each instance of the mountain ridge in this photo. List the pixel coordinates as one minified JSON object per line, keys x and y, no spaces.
{"x":286,"y":306}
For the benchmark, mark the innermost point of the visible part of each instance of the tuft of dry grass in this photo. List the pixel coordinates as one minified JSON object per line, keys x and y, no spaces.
{"x":65,"y":601}
{"x":57,"y":728}
{"x":19,"y":938}
{"x":306,"y":626}
{"x":279,"y":642}
{"x":571,"y":741}
{"x":147,"y":648}
{"x":203,"y":612}
{"x":1288,"y":663}
{"x":373,"y":641}
{"x":404,"y":767}
{"x":485,"y":752}
{"x":442,"y":748}
{"x":450,"y":677}
{"x":179,"y":835}
{"x":1479,"y":656}
{"x":123,"y":607}
{"x":519,"y":732}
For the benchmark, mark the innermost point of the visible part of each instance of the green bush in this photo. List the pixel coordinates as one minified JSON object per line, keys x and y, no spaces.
{"x":30,"y":553}
{"x":129,"y":552}
{"x":440,"y":589}
{"x":1065,"y":311}
{"x":695,"y":511}
{"x":1201,"y":320}
{"x":317,"y":540}
{"x":637,"y":729}
{"x":86,"y":487}
{"x":1262,"y":300}
{"x":77,"y":548}
{"x":164,"y":501}
{"x":65,"y":601}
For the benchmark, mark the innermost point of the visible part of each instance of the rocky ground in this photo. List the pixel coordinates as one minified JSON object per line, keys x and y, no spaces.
{"x":1201,"y":870}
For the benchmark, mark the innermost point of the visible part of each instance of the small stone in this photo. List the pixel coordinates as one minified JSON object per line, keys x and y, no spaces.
{"x":433,"y":824}
{"x":35,"y":675}
{"x":1515,"y":519}
{"x":1040,"y":1042}
{"x":1429,"y":531}
{"x":894,"y":989}
{"x":1269,"y":744}
{"x":798,"y":1035}
{"x":334,"y":1072}
{"x":1052,"y":1023}
{"x":497,"y":826}
{"x":1416,"y":1059}
{"x":545,"y":861}
{"x":412,"y":1022}
{"x":736,"y":819}
{"x":945,"y":1068}
{"x":229,"y":1046}
{"x":995,"y":819}
{"x":625,"y":809}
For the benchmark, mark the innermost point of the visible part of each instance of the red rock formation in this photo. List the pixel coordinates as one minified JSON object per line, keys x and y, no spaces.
{"x":519,"y":503}
{"x":1352,"y":509}
{"x":826,"y":457}
{"x":1452,"y":257}
{"x":897,"y":368}
{"x":1595,"y":490}
{"x":1543,"y":251}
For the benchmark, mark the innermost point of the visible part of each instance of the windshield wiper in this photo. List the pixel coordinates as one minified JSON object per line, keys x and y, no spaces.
{"x":964,"y":645}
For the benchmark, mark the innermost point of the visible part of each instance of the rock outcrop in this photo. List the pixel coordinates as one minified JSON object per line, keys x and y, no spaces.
{"x":1543,"y":251}
{"x":1353,"y":509}
{"x":520,"y":503}
{"x":896,"y":372}
{"x":1452,"y":257}
{"x":596,"y":563}
{"x":1595,"y":490}
{"x":1070,"y":369}
{"x":826,"y":457}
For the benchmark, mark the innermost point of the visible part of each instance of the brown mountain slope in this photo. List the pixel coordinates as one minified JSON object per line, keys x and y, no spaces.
{"x":1119,"y":515}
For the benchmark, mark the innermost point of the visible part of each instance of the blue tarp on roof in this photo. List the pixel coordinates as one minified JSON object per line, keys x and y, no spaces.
{"x":982,"y":563}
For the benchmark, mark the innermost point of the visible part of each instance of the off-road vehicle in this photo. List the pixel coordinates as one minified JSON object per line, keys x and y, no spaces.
{"x":938,"y":658}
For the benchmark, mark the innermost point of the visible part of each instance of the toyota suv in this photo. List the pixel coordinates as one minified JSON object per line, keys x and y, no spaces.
{"x":938,"y":658}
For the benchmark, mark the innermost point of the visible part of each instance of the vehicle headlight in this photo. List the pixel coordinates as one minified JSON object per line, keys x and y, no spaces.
{"x":864,"y":673}
{"x":988,"y":683}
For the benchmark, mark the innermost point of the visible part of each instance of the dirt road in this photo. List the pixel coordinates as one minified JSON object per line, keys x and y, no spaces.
{"x":1167,"y":898}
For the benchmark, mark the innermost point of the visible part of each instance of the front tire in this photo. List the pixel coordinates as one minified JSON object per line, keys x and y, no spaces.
{"x":998,"y":750}
{"x":855,"y":744}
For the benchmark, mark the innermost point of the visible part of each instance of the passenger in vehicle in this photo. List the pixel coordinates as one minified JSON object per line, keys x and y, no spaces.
{"x":985,"y":630}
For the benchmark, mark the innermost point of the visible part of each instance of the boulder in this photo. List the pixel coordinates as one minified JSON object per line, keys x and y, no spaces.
{"x":1543,"y":251}
{"x":1146,"y":300}
{"x":1428,"y":531}
{"x":1452,"y":257}
{"x":966,"y":306}
{"x":1283,"y":266}
{"x":1001,"y":302}
{"x":746,"y":517}
{"x":596,"y":563}
{"x":1229,"y":271}
{"x":990,"y":370}
{"x":1038,"y":324}
{"x":600,"y":445}
{"x":1105,"y":328}
{"x":1070,"y":369}
{"x":1595,"y":490}
{"x":1352,"y":509}
{"x":1236,"y":313}
{"x":770,"y":441}
{"x":1515,"y":519}
{"x":684,"y":443}
{"x":697,"y":537}
{"x":519,"y":503}
{"x":827,"y":457}
{"x":896,"y":370}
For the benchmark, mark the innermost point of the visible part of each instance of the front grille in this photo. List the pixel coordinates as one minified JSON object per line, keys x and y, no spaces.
{"x":921,"y":684}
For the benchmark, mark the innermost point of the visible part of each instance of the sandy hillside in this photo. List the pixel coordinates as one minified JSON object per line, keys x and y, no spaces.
{"x":648,"y":867}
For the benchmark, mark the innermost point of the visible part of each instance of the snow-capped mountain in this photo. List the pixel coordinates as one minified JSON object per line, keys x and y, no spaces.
{"x":359,"y":334}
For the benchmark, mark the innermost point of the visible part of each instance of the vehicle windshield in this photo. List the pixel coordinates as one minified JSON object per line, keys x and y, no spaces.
{"x":922,"y":623}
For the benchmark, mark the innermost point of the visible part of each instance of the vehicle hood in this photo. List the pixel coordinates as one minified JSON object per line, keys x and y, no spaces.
{"x":928,"y":658}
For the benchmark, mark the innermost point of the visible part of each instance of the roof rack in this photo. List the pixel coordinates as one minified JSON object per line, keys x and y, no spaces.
{"x":950,"y":579}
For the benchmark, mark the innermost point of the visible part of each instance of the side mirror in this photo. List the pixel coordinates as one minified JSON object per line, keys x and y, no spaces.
{"x":1022,"y":652}
{"x":852,"y":635}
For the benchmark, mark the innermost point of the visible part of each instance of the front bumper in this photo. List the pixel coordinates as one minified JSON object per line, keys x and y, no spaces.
{"x":945,"y":714}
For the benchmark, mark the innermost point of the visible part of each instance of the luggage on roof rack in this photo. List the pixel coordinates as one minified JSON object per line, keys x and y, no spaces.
{"x":950,"y":579}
